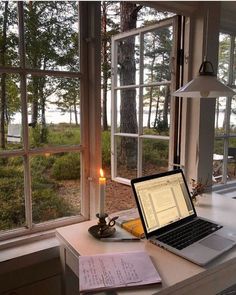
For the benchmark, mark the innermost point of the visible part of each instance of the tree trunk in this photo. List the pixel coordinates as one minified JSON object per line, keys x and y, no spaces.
{"x":150,"y":108}
{"x":165,"y":108}
{"x":217,"y":113}
{"x":128,"y":116}
{"x":35,"y":102}
{"x":75,"y":112}
{"x":3,"y":76}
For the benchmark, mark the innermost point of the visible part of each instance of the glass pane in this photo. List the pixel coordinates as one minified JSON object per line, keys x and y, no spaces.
{"x":55,"y":186}
{"x":233,"y":117}
{"x":156,"y":110}
{"x":157,"y":52}
{"x":10,"y":117}
{"x":220,"y":115}
{"x":12,"y":203}
{"x":231,"y":166}
{"x":155,"y":156}
{"x":51,"y":35}
{"x":234,"y":68}
{"x":54,"y":111}
{"x":127,"y":111}
{"x":224,"y":57}
{"x":218,"y":160}
{"x":126,"y":157}
{"x":9,"y":38}
{"x":128,"y":61}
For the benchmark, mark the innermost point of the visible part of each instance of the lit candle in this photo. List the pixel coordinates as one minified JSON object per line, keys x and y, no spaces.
{"x":102,"y":186}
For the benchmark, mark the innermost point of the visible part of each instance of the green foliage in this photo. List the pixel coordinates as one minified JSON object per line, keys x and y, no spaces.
{"x":47,"y":205}
{"x":67,"y":167}
{"x":106,"y":148}
{"x":40,"y":165}
{"x":156,"y":152}
{"x":12,"y":204}
{"x":161,"y":126}
{"x":64,"y":134}
{"x":39,"y":135}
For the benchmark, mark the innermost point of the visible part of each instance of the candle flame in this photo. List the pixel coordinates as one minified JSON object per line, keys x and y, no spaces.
{"x":101,"y":173}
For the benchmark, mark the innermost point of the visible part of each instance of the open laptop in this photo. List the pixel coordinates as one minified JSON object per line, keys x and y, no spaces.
{"x":170,"y":221}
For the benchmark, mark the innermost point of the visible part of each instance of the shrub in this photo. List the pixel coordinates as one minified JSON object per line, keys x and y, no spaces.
{"x":156,"y":152}
{"x":106,"y":148}
{"x":47,"y":206}
{"x":39,"y":135}
{"x":12,"y":201}
{"x":67,"y":167}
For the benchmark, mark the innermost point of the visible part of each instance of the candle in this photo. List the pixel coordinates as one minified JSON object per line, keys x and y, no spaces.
{"x":102,"y":186}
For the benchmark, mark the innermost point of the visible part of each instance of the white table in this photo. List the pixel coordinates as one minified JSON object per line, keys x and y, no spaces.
{"x":179,"y":276}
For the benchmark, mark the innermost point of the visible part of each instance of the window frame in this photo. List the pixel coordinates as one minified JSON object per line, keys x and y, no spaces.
{"x":88,"y":70}
{"x":226,"y":134}
{"x":174,"y":103}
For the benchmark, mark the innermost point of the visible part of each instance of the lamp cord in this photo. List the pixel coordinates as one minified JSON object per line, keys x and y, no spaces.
{"x":206,"y":35}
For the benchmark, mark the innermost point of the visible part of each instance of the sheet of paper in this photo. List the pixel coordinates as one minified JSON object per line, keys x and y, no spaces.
{"x":116,"y":270}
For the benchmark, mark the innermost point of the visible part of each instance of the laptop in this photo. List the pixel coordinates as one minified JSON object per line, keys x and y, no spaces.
{"x":170,"y":221}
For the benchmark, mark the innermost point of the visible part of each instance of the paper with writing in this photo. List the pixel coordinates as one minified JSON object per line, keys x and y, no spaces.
{"x":116,"y":270}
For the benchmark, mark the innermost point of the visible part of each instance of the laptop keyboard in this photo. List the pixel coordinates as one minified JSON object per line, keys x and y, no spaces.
{"x":189,"y":233}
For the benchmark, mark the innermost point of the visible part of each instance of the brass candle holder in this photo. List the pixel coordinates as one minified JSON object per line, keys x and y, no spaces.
{"x":103,"y":229}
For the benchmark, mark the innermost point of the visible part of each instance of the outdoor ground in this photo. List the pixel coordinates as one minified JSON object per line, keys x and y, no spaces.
{"x":118,"y":196}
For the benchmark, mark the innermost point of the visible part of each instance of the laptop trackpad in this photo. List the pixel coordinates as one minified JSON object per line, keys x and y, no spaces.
{"x":216,"y":242}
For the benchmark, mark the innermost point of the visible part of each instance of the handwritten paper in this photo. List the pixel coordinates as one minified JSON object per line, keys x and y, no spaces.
{"x":107,"y":271}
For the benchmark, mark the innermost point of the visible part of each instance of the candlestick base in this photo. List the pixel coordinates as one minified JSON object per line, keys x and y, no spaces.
{"x":102,"y":229}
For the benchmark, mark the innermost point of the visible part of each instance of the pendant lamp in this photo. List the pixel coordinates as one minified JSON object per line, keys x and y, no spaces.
{"x":206,"y":83}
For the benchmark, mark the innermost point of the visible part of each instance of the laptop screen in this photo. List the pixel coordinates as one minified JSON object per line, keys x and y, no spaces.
{"x":162,"y":199}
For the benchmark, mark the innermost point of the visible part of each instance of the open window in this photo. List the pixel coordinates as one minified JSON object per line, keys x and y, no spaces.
{"x":144,"y":116}
{"x":225,"y":129}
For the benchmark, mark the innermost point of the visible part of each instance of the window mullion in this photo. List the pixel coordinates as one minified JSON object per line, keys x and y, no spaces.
{"x":114,"y":110}
{"x":23,"y":91}
{"x":140,"y":109}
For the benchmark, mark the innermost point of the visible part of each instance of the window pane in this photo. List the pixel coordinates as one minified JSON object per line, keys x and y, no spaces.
{"x":54,"y":111}
{"x":10,"y":127}
{"x":128,"y":61}
{"x":157,"y":51}
{"x":231,"y":167}
{"x":55,"y":186}
{"x":234,"y":68}
{"x":126,"y":157}
{"x":12,"y":203}
{"x":217,"y":160}
{"x":51,"y":35}
{"x":156,"y":110}
{"x":232,"y":125}
{"x":224,"y":57}
{"x":220,"y":115}
{"x":127,"y":110}
{"x":9,"y":34}
{"x":155,"y":156}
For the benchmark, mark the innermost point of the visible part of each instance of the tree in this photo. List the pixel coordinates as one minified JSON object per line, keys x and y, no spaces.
{"x":9,"y":99}
{"x":51,"y":43}
{"x":223,"y":70}
{"x":3,"y":78}
{"x":128,"y":116}
{"x":108,"y":29}
{"x":157,"y":56}
{"x":69,"y":97}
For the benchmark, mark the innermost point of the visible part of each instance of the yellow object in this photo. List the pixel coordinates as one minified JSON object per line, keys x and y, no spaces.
{"x":134,"y":227}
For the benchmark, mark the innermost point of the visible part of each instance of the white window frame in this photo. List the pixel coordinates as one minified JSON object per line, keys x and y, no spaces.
{"x":226,"y":135}
{"x":89,"y":121}
{"x":140,"y":85}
